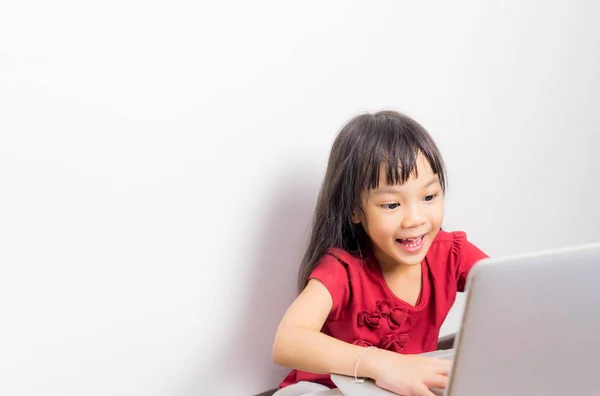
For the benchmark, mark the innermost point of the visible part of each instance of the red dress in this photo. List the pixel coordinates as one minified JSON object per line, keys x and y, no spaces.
{"x":366,"y":312}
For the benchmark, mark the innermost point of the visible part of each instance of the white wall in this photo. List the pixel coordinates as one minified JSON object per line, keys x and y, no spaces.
{"x":159,"y":162}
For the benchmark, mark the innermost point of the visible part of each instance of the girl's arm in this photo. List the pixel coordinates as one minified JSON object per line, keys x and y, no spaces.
{"x":300,"y":344}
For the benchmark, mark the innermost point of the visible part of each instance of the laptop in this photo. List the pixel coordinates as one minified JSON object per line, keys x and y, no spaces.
{"x":531,"y":326}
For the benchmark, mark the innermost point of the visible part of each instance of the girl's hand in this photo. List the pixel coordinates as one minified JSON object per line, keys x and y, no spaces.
{"x":408,"y":375}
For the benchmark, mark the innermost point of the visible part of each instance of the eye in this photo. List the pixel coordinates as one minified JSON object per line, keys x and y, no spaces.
{"x":430,"y":198}
{"x":390,"y":206}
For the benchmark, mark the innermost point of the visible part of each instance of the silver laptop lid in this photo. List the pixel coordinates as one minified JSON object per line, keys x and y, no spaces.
{"x":531,"y":326}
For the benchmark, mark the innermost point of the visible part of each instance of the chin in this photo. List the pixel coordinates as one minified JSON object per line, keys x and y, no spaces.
{"x":410,"y":261}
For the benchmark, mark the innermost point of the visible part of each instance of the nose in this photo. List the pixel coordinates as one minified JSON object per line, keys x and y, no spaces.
{"x":413,"y":216}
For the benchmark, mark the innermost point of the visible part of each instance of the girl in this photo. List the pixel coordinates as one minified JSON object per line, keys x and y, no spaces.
{"x":379,"y":275}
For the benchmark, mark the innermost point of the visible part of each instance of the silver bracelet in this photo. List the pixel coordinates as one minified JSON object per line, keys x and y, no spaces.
{"x":356,"y":380}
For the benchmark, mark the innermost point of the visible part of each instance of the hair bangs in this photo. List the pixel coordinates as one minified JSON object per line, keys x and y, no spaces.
{"x":396,"y":146}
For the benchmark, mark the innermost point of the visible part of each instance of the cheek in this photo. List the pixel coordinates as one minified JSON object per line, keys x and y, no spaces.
{"x":382,"y":225}
{"x":436,"y":214}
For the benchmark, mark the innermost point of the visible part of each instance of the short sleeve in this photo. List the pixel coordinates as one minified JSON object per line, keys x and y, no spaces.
{"x":333,"y":273}
{"x":466,"y":256}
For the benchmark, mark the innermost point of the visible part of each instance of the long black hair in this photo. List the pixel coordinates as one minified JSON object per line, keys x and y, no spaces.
{"x":363,"y":144}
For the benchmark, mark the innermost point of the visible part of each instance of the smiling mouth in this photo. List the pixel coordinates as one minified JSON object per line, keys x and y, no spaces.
{"x":411,"y":245}
{"x":411,"y":241}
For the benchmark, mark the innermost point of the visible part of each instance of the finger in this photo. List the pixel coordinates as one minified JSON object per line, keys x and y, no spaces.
{"x":443,"y":367}
{"x":421,"y":390}
{"x":436,"y":381}
{"x":442,"y":371}
{"x":441,"y":361}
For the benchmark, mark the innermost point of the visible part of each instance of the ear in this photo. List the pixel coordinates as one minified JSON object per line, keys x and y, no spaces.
{"x":355,"y":217}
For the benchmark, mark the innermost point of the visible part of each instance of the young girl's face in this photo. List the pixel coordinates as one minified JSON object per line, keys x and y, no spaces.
{"x":403,"y":220}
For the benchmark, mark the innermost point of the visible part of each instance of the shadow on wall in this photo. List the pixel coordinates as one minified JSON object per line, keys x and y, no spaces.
{"x":271,"y":288}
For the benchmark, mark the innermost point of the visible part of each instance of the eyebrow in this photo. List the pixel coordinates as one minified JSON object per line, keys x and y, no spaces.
{"x":396,"y":189}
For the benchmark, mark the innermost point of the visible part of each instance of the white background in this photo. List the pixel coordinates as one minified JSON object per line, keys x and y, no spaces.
{"x":159,"y":163}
